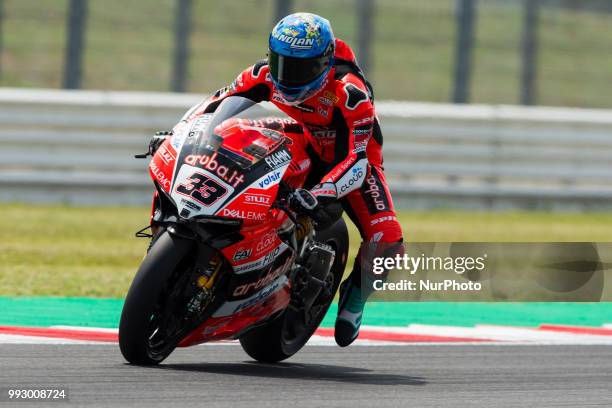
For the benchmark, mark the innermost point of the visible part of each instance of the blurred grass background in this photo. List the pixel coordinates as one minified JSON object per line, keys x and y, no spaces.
{"x":91,"y":251}
{"x":129,"y":46}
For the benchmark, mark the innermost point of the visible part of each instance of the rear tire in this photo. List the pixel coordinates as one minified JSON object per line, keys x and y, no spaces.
{"x":265,"y":343}
{"x":143,"y":297}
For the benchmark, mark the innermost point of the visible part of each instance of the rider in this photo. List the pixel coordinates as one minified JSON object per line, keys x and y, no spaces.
{"x":314,"y":78}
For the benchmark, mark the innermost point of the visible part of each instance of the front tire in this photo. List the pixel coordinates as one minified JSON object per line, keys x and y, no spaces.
{"x":267,"y":343}
{"x":136,"y":328}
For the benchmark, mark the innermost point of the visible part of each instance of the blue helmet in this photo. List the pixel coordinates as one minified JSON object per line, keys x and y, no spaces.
{"x":301,"y":54}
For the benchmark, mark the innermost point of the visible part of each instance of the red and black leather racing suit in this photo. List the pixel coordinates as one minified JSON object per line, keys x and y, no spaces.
{"x":344,"y":137}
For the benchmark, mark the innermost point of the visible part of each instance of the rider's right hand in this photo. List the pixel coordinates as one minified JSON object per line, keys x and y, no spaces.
{"x":157,"y":141}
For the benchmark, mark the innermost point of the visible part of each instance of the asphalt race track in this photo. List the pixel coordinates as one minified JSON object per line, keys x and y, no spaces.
{"x":319,"y":376}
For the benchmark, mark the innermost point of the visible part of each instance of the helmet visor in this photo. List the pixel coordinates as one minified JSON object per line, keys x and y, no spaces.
{"x":296,"y":72}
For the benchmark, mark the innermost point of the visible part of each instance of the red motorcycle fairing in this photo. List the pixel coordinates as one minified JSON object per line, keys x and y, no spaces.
{"x":266,"y":304}
{"x":233,"y":174}
{"x":202,"y":178}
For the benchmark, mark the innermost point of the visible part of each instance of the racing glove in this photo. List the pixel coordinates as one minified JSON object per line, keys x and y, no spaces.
{"x":305,"y":202}
{"x":154,"y":144}
{"x":157,"y":140}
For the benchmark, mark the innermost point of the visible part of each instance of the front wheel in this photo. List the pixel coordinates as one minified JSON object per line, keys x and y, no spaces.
{"x":270,"y":342}
{"x":144,"y":337}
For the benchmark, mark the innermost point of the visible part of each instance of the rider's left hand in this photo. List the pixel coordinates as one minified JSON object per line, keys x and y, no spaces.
{"x":303,"y":201}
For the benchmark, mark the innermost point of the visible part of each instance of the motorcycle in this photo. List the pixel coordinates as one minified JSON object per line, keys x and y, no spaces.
{"x":229,"y":258}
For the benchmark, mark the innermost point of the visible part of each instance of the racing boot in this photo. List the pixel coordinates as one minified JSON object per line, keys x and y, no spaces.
{"x":350,"y":312}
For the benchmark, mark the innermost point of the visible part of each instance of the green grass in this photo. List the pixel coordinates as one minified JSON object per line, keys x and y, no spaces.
{"x":130,"y":46}
{"x":83,"y":251}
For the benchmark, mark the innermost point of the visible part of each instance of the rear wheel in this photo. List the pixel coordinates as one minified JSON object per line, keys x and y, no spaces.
{"x":149,"y":330}
{"x":284,"y":336}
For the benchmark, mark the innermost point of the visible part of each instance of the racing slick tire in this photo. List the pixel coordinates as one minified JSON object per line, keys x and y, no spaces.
{"x":266,"y":343}
{"x":136,"y":328}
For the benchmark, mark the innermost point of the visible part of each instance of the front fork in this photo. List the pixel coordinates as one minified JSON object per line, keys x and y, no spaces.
{"x":154,"y":226}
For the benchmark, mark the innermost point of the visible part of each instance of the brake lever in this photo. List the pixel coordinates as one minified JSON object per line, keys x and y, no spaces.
{"x":154,"y":143}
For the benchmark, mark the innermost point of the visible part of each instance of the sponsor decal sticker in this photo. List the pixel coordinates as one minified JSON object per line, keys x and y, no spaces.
{"x":324,"y":137}
{"x":354,"y":178}
{"x":267,"y":241}
{"x":260,"y":283}
{"x":261,"y":295}
{"x":377,"y":237}
{"x":362,"y":131}
{"x":342,"y":167}
{"x":261,"y":262}
{"x":179,"y":135}
{"x":325,"y":101}
{"x":294,"y":42}
{"x":199,"y":124}
{"x":258,"y":199}
{"x":271,"y":179}
{"x":331,"y":96}
{"x":304,"y":164}
{"x":159,"y":175}
{"x":363,"y":121}
{"x":190,"y":205}
{"x":277,"y":97}
{"x":325,"y":190}
{"x":362,"y":136}
{"x":278,"y":159}
{"x":234,"y":177}
{"x":374,"y":195}
{"x":166,"y":155}
{"x":245,"y":215}
{"x":357,"y":175}
{"x":242,"y":253}
{"x":305,"y":108}
{"x":383,"y":219}
{"x":276,"y":120}
{"x":270,"y":133}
